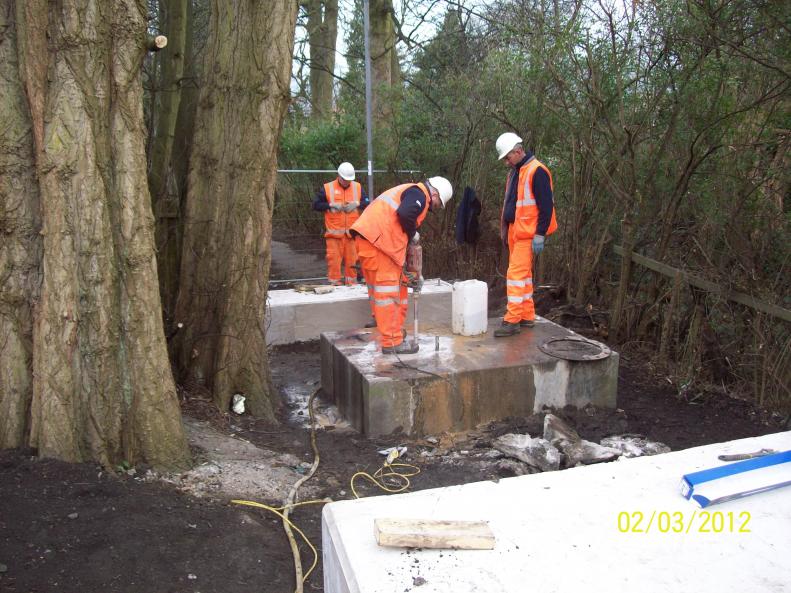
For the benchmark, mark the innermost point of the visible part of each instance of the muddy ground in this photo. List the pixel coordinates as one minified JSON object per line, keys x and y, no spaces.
{"x":77,"y":528}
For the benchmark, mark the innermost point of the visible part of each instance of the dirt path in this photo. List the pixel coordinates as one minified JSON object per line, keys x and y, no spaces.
{"x":289,"y":263}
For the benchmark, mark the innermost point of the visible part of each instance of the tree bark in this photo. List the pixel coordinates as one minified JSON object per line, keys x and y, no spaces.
{"x":102,"y":388}
{"x":322,"y":37}
{"x":226,"y":252}
{"x":385,"y":69}
{"x":20,"y":248}
{"x":161,"y":183}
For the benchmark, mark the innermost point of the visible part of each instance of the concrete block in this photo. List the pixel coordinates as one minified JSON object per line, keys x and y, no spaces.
{"x":293,"y":316}
{"x":611,"y":527}
{"x":457,"y":382}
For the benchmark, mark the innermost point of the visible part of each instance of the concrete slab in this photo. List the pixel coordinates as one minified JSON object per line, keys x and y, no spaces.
{"x":455,"y":382}
{"x":293,"y":316}
{"x":614,"y":527}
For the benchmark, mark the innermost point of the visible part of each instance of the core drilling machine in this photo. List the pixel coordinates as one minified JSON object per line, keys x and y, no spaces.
{"x":414,"y":268}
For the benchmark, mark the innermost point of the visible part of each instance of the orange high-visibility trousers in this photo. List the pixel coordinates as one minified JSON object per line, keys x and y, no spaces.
{"x":387,"y":292}
{"x":519,"y":281}
{"x":341,"y":251}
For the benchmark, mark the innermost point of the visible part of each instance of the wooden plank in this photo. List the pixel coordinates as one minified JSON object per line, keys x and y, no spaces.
{"x":430,"y":533}
{"x":738,"y":297}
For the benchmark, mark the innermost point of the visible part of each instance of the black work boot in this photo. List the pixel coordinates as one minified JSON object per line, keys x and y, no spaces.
{"x":371,"y":323}
{"x":507,"y":329}
{"x":527,"y":323}
{"x":403,"y":348}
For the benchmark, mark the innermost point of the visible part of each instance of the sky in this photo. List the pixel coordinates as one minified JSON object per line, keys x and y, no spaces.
{"x":409,"y":13}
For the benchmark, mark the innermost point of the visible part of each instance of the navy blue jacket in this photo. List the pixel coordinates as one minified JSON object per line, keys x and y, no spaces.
{"x":467,"y":227}
{"x":413,"y":201}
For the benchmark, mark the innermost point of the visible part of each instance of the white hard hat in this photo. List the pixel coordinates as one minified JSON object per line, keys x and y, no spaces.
{"x":505,"y":144}
{"x":346,"y":171}
{"x":443,"y":187}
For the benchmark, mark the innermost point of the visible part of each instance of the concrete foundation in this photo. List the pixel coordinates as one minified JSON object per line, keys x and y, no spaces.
{"x":454,"y":382}
{"x":613,"y":527}
{"x":293,"y":316}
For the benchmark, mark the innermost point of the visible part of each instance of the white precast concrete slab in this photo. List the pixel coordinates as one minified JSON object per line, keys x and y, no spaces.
{"x":560,"y":532}
{"x":294,"y":316}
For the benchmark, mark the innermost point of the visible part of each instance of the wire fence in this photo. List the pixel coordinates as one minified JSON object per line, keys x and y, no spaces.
{"x":299,"y":250}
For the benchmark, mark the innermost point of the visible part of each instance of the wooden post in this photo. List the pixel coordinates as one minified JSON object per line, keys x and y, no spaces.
{"x":670,"y":314}
{"x":623,"y":285}
{"x":691,"y":356}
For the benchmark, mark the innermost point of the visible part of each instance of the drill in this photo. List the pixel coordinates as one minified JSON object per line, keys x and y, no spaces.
{"x":414,"y":267}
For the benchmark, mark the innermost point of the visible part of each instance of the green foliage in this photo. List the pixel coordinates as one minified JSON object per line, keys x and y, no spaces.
{"x":322,"y":144}
{"x":670,"y":116}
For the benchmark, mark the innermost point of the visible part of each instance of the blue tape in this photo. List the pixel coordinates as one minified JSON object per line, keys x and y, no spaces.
{"x":715,"y":473}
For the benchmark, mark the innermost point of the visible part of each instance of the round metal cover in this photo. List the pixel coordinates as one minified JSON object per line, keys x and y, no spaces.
{"x":575,"y":348}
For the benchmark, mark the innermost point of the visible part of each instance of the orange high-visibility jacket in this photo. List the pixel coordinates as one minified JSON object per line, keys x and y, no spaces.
{"x":339,"y":223}
{"x":380,"y":226}
{"x":526,"y":220}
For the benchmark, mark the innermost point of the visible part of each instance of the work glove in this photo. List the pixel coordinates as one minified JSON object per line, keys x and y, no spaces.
{"x":351,"y":206}
{"x":415,"y":238}
{"x":538,"y":244}
{"x":414,"y":280}
{"x":335,"y":207}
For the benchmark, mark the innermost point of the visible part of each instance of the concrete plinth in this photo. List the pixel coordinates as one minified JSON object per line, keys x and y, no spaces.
{"x":617,"y":527}
{"x":293,"y":316}
{"x":454,"y":382}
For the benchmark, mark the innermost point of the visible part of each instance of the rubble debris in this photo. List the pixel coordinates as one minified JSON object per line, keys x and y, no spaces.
{"x":557,"y":429}
{"x":635,"y":445}
{"x":514,"y":467}
{"x":584,"y":452}
{"x":538,"y":452}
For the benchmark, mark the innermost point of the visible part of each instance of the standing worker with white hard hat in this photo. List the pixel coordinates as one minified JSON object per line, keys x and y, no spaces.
{"x":342,"y":200}
{"x":382,"y":234}
{"x":528,"y":216}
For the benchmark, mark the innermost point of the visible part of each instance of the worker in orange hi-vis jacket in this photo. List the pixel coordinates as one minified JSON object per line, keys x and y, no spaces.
{"x":342,"y":200}
{"x":382,"y":234}
{"x":528,"y":216}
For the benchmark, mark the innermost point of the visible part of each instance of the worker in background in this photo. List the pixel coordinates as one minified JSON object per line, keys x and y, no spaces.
{"x":382,"y":234}
{"x":528,"y":216}
{"x":341,"y":200}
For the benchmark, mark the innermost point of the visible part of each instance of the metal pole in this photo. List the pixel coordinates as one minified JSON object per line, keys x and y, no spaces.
{"x":415,"y":299}
{"x":368,"y":101}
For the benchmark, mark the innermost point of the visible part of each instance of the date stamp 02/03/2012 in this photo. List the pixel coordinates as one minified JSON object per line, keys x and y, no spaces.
{"x":641,"y":522}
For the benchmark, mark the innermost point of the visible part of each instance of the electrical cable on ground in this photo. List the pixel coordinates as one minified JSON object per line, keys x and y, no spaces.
{"x":289,"y":503}
{"x":385,"y":473}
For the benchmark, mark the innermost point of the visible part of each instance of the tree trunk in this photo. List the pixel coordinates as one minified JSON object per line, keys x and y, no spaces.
{"x":384,"y":58}
{"x":228,"y":225}
{"x":322,"y":37}
{"x":20,"y":248}
{"x":102,"y":387}
{"x":182,"y":146}
{"x":161,"y":183}
{"x":616,"y":315}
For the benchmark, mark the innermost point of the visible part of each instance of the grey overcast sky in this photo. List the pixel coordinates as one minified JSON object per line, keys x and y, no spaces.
{"x":418,"y":18}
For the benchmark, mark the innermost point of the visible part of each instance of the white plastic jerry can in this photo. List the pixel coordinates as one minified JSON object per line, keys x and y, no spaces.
{"x":469,"y":308}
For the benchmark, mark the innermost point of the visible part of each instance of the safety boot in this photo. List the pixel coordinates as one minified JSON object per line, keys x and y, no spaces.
{"x":371,"y":323}
{"x":507,"y":329}
{"x":527,"y":323}
{"x":403,"y":348}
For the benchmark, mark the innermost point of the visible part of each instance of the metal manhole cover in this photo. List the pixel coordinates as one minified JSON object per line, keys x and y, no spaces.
{"x":575,"y":348}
